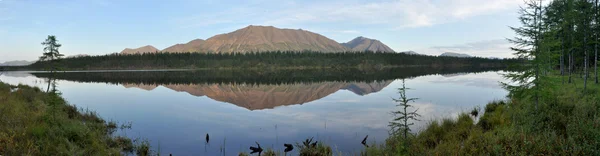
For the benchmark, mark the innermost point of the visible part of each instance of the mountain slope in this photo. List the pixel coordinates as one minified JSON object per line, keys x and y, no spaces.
{"x":451,"y":54}
{"x":192,"y":46}
{"x":268,"y":38}
{"x":366,"y":44}
{"x":410,"y":53}
{"x":17,"y":63}
{"x":144,"y":49}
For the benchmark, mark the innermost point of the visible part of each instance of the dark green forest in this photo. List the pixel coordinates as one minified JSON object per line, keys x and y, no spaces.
{"x":295,"y":60}
{"x":255,"y":76}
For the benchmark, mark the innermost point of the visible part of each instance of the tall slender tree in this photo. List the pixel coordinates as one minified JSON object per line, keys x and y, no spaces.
{"x":597,"y":25}
{"x":51,"y":54}
{"x":401,"y":124}
{"x":51,"y":46}
{"x":527,"y":46}
{"x":585,"y":45}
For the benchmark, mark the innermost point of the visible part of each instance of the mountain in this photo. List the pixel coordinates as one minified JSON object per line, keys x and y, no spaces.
{"x":451,"y":54}
{"x":410,"y":53}
{"x":269,"y":38}
{"x":366,"y":44}
{"x":17,"y":63}
{"x":144,"y":49}
{"x":192,"y":46}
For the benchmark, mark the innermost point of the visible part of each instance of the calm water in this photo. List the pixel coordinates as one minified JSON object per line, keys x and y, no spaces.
{"x":175,"y":110}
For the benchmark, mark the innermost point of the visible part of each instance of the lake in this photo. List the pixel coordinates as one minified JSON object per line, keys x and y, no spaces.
{"x":174,"y":110}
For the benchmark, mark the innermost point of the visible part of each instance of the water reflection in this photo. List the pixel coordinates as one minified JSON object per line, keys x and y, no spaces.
{"x":257,"y":97}
{"x":179,"y":109}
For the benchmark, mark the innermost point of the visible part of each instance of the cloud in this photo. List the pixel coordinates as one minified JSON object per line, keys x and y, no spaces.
{"x":394,"y":15}
{"x":489,"y":48}
{"x":349,"y":31}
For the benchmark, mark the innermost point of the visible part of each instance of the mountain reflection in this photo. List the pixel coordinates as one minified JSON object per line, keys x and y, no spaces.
{"x":257,"y":97}
{"x":256,"y":90}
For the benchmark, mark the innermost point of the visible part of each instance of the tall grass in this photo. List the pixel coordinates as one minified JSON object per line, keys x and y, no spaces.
{"x":33,"y":122}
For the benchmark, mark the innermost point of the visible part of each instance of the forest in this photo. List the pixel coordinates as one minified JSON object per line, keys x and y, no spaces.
{"x":255,"y":76}
{"x":553,"y":103}
{"x":262,"y":60}
{"x":562,"y":35}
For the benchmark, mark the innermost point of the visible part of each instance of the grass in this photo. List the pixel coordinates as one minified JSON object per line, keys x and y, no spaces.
{"x":33,"y":122}
{"x":566,"y":122}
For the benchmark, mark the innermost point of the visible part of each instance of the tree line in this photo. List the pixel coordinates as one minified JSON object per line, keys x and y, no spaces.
{"x":258,"y":77}
{"x":276,"y":59}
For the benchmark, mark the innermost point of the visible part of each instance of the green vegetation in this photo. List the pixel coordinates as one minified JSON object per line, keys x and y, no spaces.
{"x":264,"y":60}
{"x":552,"y":110}
{"x":33,"y":122}
{"x":565,"y":124}
{"x":545,"y":115}
{"x":254,"y":76}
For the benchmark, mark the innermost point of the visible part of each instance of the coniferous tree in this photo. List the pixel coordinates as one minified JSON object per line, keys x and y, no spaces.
{"x":585,"y":25}
{"x":528,"y":47}
{"x":596,"y":36}
{"x":51,"y":52}
{"x":401,"y":123}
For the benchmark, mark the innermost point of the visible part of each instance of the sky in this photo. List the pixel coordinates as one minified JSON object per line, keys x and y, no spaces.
{"x":96,"y":27}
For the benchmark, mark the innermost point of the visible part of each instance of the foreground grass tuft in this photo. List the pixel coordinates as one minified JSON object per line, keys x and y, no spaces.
{"x":33,"y":122}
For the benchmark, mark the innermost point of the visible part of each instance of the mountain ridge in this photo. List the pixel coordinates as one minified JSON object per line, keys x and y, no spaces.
{"x":143,"y":49}
{"x":255,"y":38}
{"x":17,"y":63}
{"x":453,"y":54}
{"x":366,"y":44}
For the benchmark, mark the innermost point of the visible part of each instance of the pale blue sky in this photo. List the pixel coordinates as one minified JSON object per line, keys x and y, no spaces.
{"x":475,"y":27}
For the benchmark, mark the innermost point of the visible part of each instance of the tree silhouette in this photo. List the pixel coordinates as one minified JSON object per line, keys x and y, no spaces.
{"x":51,"y":52}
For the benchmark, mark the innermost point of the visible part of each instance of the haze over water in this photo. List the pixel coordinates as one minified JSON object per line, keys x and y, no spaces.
{"x":176,"y":115}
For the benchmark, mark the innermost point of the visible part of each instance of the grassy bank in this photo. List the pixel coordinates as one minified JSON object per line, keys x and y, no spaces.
{"x":33,"y":122}
{"x":566,"y":122}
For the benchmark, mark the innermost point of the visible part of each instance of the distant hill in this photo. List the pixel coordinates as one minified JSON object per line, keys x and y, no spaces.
{"x":410,"y":53}
{"x":17,"y":63}
{"x":144,"y":49}
{"x":451,"y":54}
{"x":366,"y":44}
{"x":192,"y":46}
